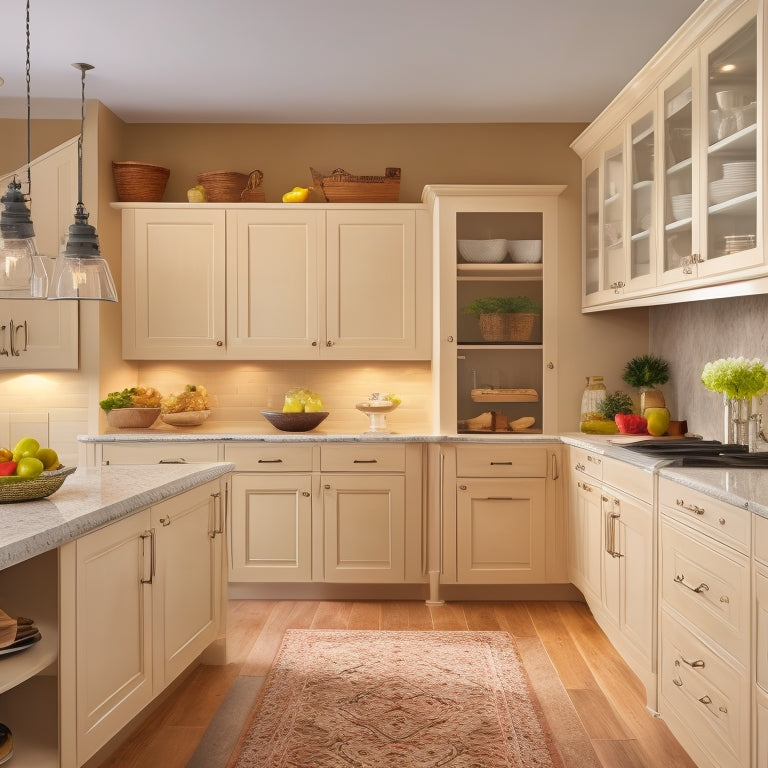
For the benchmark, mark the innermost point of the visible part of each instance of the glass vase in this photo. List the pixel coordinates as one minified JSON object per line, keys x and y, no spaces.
{"x":738,"y":417}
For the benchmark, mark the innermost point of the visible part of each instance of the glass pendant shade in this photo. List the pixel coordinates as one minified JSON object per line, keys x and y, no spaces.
{"x":80,"y":271}
{"x":22,"y":271}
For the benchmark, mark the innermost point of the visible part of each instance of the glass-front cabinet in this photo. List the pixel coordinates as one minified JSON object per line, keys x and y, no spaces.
{"x":495,"y":324}
{"x":694,"y":161}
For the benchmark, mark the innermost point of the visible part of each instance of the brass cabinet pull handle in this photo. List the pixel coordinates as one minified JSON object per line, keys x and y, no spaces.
{"x":305,"y":493}
{"x":501,"y":463}
{"x":677,"y":682}
{"x":270,"y":461}
{"x":696,"y":663}
{"x":680,"y":579}
{"x":690,"y":507}
{"x":705,"y":699}
{"x":150,"y":534}
{"x":365,"y":461}
{"x":579,"y":466}
{"x":218,"y":516}
{"x":585,"y":487}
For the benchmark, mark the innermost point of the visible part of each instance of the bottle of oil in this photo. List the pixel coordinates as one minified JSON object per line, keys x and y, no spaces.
{"x":594,"y":392}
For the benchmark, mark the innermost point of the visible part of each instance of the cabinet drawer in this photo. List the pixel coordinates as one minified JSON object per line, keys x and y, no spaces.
{"x":369,"y":457}
{"x":729,"y":524}
{"x":631,"y":480}
{"x":585,"y":462}
{"x":156,"y":453}
{"x":501,"y":461}
{"x":708,"y":584}
{"x":270,"y":457}
{"x":707,"y":693}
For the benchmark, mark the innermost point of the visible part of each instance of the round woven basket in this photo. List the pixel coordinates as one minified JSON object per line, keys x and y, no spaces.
{"x":139,"y":182}
{"x":507,"y":326}
{"x":29,"y":490}
{"x":223,"y":186}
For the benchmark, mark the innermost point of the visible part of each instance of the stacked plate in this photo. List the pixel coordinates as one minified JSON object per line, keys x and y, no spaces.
{"x":681,"y":206}
{"x":739,"y":178}
{"x":737,"y":243}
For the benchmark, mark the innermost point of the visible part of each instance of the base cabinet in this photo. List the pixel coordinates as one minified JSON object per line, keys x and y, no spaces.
{"x":146,"y":592}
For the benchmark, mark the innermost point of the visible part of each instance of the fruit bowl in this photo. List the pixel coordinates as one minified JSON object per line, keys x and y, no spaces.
{"x":132,"y":418}
{"x":13,"y":489}
{"x":185,"y":418}
{"x":377,"y":411}
{"x":295,"y":422}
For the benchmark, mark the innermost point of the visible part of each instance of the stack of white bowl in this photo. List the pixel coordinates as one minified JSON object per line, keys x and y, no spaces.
{"x":682,"y":206}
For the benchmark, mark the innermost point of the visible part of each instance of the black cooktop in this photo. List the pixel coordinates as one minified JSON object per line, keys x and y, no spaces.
{"x":700,"y":453}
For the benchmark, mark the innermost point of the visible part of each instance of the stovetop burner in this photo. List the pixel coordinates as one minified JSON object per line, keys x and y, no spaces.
{"x":700,"y":453}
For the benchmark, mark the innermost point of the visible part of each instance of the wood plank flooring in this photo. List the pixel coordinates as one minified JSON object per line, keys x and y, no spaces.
{"x":555,"y":639}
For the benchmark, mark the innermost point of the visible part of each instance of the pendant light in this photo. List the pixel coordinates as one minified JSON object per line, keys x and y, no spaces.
{"x":22,"y":272}
{"x":81,"y":272}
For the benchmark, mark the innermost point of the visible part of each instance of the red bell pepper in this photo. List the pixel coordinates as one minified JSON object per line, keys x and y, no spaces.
{"x":7,"y":468}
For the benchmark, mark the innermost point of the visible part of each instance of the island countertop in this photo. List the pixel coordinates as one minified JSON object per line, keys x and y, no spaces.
{"x":90,"y":498}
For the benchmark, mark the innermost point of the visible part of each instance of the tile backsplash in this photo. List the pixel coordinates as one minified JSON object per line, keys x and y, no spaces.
{"x":691,"y":334}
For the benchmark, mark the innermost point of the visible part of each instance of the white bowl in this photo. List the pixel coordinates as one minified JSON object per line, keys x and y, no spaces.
{"x":524,"y":251}
{"x":185,"y":418}
{"x":483,"y":251}
{"x":729,"y":99}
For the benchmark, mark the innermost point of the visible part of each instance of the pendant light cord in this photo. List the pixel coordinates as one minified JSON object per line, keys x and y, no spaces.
{"x":29,"y":118}
{"x":80,"y":140}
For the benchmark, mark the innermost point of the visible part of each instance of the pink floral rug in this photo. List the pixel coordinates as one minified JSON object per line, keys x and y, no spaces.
{"x":376,"y":699}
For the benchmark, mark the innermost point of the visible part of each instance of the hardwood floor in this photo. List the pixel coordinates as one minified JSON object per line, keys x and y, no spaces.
{"x":562,"y":636}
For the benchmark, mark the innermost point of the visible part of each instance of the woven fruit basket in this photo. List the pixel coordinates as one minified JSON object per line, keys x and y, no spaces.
{"x":139,"y":182}
{"x":343,"y":187}
{"x":29,"y":490}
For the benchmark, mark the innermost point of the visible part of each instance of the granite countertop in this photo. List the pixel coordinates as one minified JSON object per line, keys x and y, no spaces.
{"x":90,"y":498}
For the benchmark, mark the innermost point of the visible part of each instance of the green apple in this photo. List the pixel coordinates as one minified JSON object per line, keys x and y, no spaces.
{"x":658,"y":420}
{"x":27,"y":446}
{"x":29,"y":467}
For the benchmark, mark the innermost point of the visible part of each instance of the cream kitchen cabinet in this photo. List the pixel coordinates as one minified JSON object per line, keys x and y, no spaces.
{"x":174,"y":284}
{"x":270,"y":530}
{"x":760,"y":641}
{"x":38,"y":335}
{"x":709,"y":174}
{"x":277,"y":282}
{"x":464,"y":361}
{"x":705,"y":637}
{"x":502,"y":518}
{"x":326,"y":513}
{"x":146,"y":602}
{"x":339,"y":284}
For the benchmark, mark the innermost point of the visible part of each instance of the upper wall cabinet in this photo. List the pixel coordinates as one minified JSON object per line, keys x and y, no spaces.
{"x":276,"y":282}
{"x":673,"y":175}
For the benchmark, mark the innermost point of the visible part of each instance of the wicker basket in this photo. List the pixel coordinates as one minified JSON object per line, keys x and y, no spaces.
{"x":253,"y":193}
{"x":507,"y":326}
{"x":223,"y":186}
{"x":139,"y":182}
{"x":343,"y":187}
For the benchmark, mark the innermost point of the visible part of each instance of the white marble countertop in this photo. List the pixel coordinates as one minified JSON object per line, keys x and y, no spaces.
{"x":90,"y":498}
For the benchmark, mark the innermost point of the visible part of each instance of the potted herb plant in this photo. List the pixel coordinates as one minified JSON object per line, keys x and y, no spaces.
{"x":645,"y":373}
{"x":505,"y":318}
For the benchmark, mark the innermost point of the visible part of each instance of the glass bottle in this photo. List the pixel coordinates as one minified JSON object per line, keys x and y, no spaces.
{"x":594,"y":392}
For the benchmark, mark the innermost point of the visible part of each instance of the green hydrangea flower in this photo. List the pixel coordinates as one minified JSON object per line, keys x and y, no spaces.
{"x":736,"y":377}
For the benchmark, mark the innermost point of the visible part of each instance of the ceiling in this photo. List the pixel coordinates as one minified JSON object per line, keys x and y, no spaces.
{"x":332,"y":61}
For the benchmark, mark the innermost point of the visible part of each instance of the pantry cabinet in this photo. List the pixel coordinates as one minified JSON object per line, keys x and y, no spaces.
{"x":279,"y":282}
{"x":475,"y":370}
{"x":147,"y":602}
{"x":702,"y":197}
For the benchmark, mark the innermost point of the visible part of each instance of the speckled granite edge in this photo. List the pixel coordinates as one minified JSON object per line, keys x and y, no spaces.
{"x":90,"y":498}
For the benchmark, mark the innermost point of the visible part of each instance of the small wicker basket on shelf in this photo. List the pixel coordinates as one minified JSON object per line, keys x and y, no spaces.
{"x":507,"y":326}
{"x":139,"y":182}
{"x":343,"y":187}
{"x":223,"y":186}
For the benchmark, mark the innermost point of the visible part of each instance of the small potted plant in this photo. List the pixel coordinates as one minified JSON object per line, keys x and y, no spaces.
{"x":505,"y":318}
{"x":645,"y":373}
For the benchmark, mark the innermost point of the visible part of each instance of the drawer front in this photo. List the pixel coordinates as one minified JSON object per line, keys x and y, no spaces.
{"x":156,"y":453}
{"x":708,"y":584}
{"x":585,"y":462}
{"x":362,"y":457}
{"x":501,"y":461}
{"x":707,"y":693}
{"x":729,"y":524}
{"x":630,"y":479}
{"x":270,"y":457}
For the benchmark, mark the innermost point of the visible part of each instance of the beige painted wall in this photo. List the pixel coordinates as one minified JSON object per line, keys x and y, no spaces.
{"x":44,"y":135}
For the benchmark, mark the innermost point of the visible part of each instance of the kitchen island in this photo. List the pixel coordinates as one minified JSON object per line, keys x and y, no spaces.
{"x":105,"y":567}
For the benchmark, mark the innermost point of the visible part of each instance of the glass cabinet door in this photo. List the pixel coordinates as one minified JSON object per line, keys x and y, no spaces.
{"x":680,"y":239}
{"x":614,"y":272}
{"x":592,"y":234}
{"x":642,"y":250}
{"x":731,"y":172}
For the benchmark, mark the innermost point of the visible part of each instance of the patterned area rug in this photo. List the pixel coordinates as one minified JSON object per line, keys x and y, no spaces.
{"x":376,"y":699}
